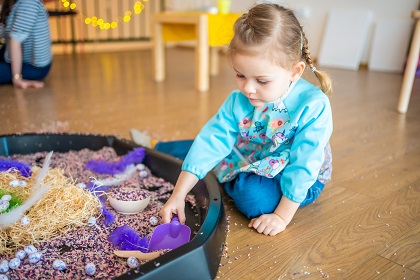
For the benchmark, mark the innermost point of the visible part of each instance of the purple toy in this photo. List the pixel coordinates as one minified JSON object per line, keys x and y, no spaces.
{"x":169,"y":236}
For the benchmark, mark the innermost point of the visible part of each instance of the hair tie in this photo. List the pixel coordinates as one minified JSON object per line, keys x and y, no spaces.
{"x":313,"y":69}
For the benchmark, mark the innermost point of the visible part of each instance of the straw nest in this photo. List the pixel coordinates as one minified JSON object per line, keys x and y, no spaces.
{"x":62,"y":208}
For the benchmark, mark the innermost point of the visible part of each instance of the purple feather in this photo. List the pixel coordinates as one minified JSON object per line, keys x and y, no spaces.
{"x":127,"y":238}
{"x":139,"y":244}
{"x":116,"y":236}
{"x":22,"y":167}
{"x":109,"y":216}
{"x":115,"y":167}
{"x":93,"y":187}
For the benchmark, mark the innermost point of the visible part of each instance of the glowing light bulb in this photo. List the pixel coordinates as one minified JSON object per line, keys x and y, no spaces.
{"x":99,"y":22}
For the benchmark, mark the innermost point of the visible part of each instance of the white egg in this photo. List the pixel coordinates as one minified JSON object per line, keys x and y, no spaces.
{"x":6,"y":197}
{"x":92,"y":221}
{"x":4,"y":204}
{"x":4,"y":266}
{"x":132,"y":262}
{"x":14,"y":263}
{"x":35,"y":257}
{"x":59,"y":265}
{"x":90,"y":269}
{"x":29,"y":249}
{"x":25,"y":220}
{"x":22,"y":183}
{"x":17,"y":183}
{"x":153,"y":220}
{"x":14,"y":183}
{"x":140,"y":166}
{"x":21,"y":254}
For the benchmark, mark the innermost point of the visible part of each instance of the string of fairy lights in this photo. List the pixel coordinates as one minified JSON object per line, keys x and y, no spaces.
{"x":97,"y":21}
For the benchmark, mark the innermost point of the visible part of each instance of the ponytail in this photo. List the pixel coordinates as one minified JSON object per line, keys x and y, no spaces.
{"x":324,"y":79}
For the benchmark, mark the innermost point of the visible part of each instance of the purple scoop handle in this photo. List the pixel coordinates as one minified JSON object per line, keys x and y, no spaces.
{"x":175,"y":227}
{"x":175,"y":218}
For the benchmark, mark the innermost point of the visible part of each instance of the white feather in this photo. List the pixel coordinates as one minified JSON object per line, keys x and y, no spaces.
{"x":119,"y":178}
{"x":42,"y":173}
{"x":38,"y":191}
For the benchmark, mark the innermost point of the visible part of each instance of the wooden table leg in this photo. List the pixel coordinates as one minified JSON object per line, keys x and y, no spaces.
{"x":410,"y":69}
{"x":159,"y":53}
{"x":202,"y":55}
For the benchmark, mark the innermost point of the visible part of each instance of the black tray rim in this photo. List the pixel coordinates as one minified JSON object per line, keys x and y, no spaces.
{"x":183,"y":259}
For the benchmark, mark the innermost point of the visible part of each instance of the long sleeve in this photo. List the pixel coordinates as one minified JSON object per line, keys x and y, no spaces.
{"x":314,"y":129}
{"x":214,"y":142}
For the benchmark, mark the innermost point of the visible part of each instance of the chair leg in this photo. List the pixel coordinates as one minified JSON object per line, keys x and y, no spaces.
{"x":410,"y":71}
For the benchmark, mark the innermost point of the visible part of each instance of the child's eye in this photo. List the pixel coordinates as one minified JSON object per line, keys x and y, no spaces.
{"x":262,"y":82}
{"x":239,"y":76}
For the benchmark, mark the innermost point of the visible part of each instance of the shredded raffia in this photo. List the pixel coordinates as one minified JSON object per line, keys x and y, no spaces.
{"x":64,"y":207}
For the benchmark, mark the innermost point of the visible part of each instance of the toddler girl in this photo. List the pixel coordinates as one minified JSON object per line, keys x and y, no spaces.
{"x":268,"y":144}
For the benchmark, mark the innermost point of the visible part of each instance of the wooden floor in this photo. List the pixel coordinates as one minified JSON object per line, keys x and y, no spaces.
{"x":365,"y":225}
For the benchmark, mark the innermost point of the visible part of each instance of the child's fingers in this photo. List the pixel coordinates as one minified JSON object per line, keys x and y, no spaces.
{"x":166,"y":216}
{"x":181,"y":216}
{"x":251,"y":223}
{"x":255,"y":223}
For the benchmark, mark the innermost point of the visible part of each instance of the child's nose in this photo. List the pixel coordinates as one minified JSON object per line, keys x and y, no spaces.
{"x":249,"y":87}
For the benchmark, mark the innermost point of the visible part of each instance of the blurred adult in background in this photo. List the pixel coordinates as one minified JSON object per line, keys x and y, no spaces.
{"x":25,"y":55}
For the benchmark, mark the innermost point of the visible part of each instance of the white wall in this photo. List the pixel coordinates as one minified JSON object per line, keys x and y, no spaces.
{"x":317,"y":12}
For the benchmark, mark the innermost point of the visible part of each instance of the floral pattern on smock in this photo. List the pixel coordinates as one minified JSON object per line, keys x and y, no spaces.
{"x":262,"y":146}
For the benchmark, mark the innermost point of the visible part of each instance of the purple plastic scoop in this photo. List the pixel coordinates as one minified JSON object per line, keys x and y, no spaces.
{"x":169,"y":236}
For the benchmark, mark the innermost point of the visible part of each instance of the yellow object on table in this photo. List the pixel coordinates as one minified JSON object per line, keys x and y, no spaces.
{"x":220,"y":29}
{"x":208,"y":30}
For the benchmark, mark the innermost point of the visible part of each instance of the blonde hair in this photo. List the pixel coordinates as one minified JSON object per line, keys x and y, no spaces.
{"x":275,"y":29}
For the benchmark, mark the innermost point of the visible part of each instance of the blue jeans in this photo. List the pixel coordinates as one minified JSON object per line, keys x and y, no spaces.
{"x":253,"y":195}
{"x":29,"y":72}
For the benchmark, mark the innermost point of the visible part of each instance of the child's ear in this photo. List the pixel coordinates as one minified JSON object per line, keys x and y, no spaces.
{"x":297,"y":71}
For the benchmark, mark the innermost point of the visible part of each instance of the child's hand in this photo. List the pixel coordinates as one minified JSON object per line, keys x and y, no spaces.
{"x":174,"y":205}
{"x":268,"y":224}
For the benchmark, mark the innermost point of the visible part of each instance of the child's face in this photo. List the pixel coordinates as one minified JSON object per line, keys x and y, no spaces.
{"x":260,"y":80}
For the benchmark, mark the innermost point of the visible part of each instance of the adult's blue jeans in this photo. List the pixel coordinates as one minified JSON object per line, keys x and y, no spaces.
{"x":29,"y":72}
